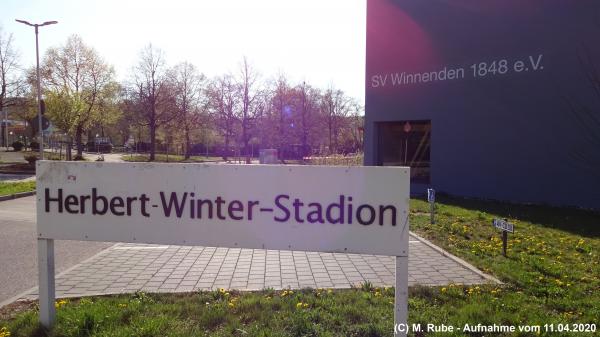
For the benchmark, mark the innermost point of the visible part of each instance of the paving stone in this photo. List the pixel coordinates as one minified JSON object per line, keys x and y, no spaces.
{"x":126,"y":268}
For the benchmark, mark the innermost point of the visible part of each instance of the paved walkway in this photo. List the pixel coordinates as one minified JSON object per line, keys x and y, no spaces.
{"x":126,"y":268}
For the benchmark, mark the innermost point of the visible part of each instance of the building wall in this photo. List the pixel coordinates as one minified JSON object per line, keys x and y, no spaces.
{"x":529,"y":132}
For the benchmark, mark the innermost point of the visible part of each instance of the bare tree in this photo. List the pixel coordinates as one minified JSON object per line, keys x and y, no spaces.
{"x":308,"y":108}
{"x":189,"y":93}
{"x":281,"y":109}
{"x":251,"y":106}
{"x":222,"y":102}
{"x":12,"y":83}
{"x":335,"y":106}
{"x":154,"y":96}
{"x":78,"y":80}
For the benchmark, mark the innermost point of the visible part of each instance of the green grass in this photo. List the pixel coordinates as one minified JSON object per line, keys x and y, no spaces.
{"x":269,"y":313}
{"x":161,"y":158}
{"x":551,"y":271}
{"x":551,"y":275}
{"x":8,"y":188}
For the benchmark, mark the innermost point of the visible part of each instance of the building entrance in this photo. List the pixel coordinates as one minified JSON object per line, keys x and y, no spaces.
{"x":406,"y":143}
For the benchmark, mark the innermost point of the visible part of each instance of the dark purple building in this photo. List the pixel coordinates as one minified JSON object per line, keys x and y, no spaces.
{"x":494,"y":99}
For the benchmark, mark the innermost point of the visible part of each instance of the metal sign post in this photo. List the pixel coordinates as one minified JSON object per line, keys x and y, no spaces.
{"x":401,"y":295}
{"x":504,"y":242}
{"x":506,"y":227}
{"x":431,"y":199}
{"x":46,"y":281}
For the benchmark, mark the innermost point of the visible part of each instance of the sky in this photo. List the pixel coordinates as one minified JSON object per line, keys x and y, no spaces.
{"x":321,"y":42}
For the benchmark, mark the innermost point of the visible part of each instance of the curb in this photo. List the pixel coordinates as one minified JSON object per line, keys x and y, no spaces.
{"x":23,"y":295}
{"x":16,"y":195}
{"x":456,"y":259}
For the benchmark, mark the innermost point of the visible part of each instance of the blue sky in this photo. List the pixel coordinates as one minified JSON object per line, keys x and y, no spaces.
{"x":320,"y":41}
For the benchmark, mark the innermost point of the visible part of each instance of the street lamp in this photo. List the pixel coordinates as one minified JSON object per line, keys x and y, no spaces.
{"x":39,"y":92}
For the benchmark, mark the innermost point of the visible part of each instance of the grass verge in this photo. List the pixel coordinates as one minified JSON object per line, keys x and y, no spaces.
{"x":8,"y":188}
{"x":551,"y":275}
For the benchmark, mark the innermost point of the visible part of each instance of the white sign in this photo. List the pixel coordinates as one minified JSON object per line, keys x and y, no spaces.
{"x":503,"y":225}
{"x":311,"y":208}
{"x":430,"y":195}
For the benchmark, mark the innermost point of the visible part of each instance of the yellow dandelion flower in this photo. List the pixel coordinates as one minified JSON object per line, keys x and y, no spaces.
{"x":60,"y":303}
{"x":4,"y":332}
{"x":299,"y":305}
{"x":443,"y":290}
{"x":231,"y":304}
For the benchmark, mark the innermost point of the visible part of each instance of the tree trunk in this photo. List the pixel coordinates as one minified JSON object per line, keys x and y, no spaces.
{"x":187,"y":142}
{"x":79,"y":141}
{"x":304,"y":128}
{"x":281,"y":131}
{"x":152,"y":140}
{"x":330,"y":136}
{"x":225,"y":155}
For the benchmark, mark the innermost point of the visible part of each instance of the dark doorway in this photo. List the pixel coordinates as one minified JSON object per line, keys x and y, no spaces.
{"x":406,"y":143}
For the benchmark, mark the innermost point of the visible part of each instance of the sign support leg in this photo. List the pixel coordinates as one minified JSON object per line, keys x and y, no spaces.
{"x":401,"y":297}
{"x":504,"y":242}
{"x":46,"y":281}
{"x":432,"y":211}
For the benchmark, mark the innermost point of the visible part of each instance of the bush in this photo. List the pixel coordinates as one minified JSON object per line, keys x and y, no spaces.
{"x":17,"y":146}
{"x":31,"y":159}
{"x":34,"y":146}
{"x":78,"y":158}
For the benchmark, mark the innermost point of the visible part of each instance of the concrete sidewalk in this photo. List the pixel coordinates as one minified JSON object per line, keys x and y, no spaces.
{"x":126,"y":268}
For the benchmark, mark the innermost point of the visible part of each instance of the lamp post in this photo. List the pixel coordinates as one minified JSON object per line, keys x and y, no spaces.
{"x":39,"y":92}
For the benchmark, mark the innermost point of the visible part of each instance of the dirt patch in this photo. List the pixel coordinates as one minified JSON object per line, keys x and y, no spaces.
{"x":9,"y":311}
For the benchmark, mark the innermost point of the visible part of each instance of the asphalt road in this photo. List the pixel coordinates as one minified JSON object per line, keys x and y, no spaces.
{"x":18,"y":248}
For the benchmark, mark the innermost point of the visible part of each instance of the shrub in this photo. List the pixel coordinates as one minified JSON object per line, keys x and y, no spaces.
{"x":31,"y":159}
{"x":78,"y":157}
{"x":34,"y":146}
{"x":17,"y":146}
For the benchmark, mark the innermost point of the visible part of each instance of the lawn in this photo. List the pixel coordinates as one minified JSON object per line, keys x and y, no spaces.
{"x":551,"y":276}
{"x":171,"y":158}
{"x":8,"y":188}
